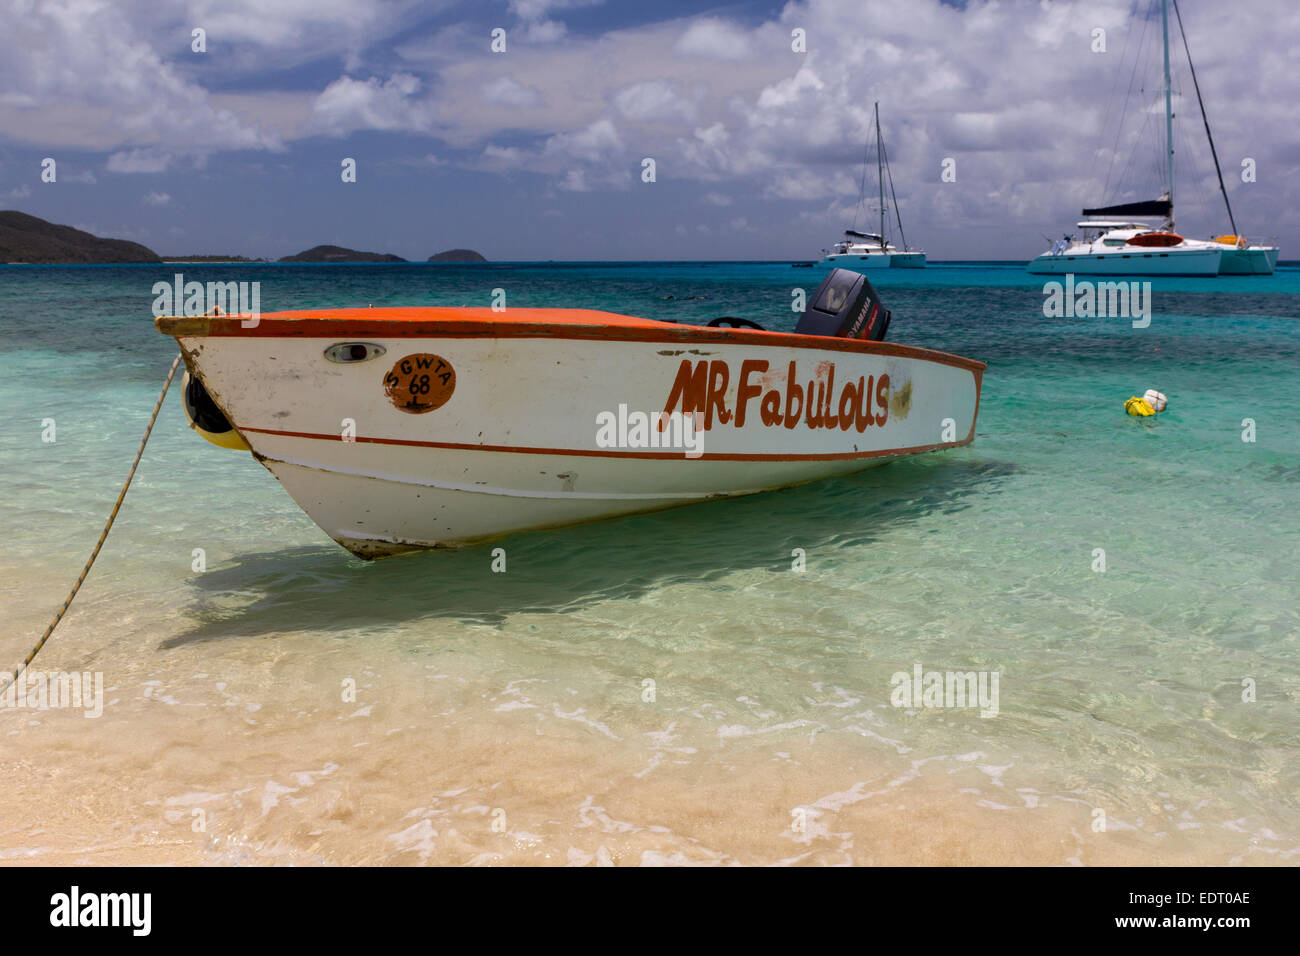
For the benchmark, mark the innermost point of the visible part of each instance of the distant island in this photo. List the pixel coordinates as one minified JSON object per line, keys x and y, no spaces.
{"x":339,"y":254}
{"x":211,"y":260}
{"x":27,"y":239}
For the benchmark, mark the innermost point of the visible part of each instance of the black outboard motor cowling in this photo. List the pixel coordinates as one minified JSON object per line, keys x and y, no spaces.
{"x":845,"y":306}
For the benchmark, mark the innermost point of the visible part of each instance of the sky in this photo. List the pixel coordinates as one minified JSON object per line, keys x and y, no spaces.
{"x":538,"y":152}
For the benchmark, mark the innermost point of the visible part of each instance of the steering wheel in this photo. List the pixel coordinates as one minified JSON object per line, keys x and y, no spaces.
{"x":735,"y":323}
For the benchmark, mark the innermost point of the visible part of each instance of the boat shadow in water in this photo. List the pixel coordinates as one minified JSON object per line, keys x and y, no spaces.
{"x":325,"y":589}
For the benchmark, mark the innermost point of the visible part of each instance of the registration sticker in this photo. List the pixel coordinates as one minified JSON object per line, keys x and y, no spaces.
{"x":420,"y":383}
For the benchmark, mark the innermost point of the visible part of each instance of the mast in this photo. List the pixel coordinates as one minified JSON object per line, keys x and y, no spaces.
{"x":1169,"y":112}
{"x":1205,"y":118}
{"x":880,"y":175}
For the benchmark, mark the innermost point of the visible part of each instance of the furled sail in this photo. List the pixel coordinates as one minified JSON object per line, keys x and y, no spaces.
{"x":1149,"y":207}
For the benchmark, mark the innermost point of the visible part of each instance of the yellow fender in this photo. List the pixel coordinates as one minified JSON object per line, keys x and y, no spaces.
{"x":1138,"y":406}
{"x":231,"y":439}
{"x":226,"y":438}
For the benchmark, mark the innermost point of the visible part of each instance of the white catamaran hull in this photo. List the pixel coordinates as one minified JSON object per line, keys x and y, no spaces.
{"x":1254,"y":260}
{"x":1175,"y":262}
{"x":879,"y":260}
{"x":517,"y":443}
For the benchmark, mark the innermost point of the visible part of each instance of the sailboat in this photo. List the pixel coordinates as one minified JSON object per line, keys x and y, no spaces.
{"x":873,"y":250}
{"x":1115,"y":240}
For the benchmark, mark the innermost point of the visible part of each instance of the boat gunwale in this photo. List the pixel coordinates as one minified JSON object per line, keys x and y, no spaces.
{"x":318,"y":324}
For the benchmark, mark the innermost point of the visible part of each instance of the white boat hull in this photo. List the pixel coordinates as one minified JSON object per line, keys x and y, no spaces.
{"x":1131,"y":262}
{"x":878,"y":260}
{"x":1254,"y":260}
{"x":517,"y":444}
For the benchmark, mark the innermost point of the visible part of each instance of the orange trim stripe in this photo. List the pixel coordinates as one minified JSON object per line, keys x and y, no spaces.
{"x":605,"y":453}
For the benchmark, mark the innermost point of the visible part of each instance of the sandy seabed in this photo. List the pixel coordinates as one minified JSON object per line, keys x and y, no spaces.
{"x":198,"y":771}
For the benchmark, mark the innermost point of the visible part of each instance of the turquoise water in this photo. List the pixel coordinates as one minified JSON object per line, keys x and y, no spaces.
{"x":1120,"y":691}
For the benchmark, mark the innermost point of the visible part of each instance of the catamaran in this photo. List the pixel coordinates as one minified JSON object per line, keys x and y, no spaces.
{"x":873,"y":250}
{"x":1116,"y":241}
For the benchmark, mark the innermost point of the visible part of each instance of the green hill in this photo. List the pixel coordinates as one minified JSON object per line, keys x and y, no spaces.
{"x":339,"y":254}
{"x":25,"y":238}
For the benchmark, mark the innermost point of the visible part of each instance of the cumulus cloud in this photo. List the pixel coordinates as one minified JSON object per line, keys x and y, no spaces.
{"x":575,"y":180}
{"x":591,"y":158}
{"x":652,"y":101}
{"x":718,"y":39}
{"x":77,"y":73}
{"x":597,"y":143}
{"x":1011,"y":91}
{"x":247,"y":34}
{"x":706,"y":150}
{"x":504,"y":91}
{"x":535,"y":17}
{"x":809,"y":184}
{"x":392,"y":104}
{"x":503,"y":157}
{"x":140,"y":161}
{"x":295,"y":24}
{"x":156,"y":199}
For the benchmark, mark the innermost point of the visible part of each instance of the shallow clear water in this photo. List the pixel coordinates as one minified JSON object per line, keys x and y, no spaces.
{"x":506,"y":716}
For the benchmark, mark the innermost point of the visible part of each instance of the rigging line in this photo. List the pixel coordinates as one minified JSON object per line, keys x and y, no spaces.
{"x":902,"y":237}
{"x":862,"y":188}
{"x":1128,"y":164}
{"x":1110,"y":98}
{"x":880,"y":175}
{"x":1204,"y":118}
{"x":1193,"y":186}
{"x":1119,"y":129}
{"x":1156,"y":158}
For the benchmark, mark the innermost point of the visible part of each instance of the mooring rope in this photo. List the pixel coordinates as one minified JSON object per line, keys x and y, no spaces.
{"x":13,"y":678}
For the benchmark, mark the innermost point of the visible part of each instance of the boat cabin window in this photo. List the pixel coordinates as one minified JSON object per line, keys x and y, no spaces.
{"x":1114,"y":242}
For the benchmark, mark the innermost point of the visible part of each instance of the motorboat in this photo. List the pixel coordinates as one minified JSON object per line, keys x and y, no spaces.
{"x":436,"y":427}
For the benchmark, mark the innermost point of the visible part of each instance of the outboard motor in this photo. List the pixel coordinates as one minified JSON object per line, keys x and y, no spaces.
{"x":845,"y":306}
